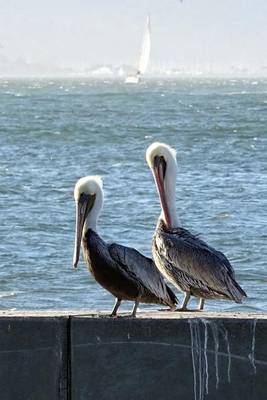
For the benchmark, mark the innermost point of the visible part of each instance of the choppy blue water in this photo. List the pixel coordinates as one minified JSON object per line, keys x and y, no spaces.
{"x":54,"y":131}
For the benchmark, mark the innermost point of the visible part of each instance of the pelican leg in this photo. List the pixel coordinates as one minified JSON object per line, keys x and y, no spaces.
{"x":136,"y":304}
{"x":115,"y":308}
{"x":201,"y":304}
{"x":185,"y":301}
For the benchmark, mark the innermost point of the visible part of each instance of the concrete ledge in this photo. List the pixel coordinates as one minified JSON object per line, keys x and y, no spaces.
{"x":33,"y":358}
{"x":158,"y":356}
{"x":140,"y":315}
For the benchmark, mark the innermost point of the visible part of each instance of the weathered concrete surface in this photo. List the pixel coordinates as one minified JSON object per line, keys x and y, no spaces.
{"x":158,"y":356}
{"x":184,"y":356}
{"x":33,"y":364}
{"x":140,"y":314}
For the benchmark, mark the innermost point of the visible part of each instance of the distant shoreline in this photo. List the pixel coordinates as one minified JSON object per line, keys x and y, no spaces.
{"x":145,"y":79}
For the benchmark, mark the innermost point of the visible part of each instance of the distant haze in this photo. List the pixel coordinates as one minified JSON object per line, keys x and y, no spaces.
{"x":80,"y":33}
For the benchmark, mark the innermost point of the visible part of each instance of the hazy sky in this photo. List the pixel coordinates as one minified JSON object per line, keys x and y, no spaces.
{"x":80,"y":32}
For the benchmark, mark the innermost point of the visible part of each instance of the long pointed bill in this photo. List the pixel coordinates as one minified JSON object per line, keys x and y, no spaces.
{"x":81,"y":207}
{"x":159,"y":172}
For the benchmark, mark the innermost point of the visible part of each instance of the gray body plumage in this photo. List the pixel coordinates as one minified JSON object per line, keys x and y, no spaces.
{"x":193,"y":266}
{"x":125,"y":273}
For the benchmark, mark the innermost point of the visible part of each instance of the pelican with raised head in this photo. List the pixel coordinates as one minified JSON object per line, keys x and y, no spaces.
{"x":188,"y":262}
{"x":122,"y":271}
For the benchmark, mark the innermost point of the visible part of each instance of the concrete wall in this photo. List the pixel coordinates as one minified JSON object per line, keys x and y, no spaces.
{"x":33,"y":358}
{"x":158,"y":356}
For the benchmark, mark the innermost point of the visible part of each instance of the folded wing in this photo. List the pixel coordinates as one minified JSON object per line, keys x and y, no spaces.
{"x":202,"y":265}
{"x":143,"y":270}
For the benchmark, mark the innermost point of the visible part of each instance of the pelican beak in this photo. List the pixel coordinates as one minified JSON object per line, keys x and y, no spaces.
{"x":83,"y":207}
{"x":159,"y":168}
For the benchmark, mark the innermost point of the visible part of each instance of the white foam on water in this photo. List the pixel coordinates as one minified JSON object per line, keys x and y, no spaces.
{"x":8,"y":294}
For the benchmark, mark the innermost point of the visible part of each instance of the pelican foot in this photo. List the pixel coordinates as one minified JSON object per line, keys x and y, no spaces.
{"x":184,"y":309}
{"x":113,"y":315}
{"x":201,"y":304}
{"x":121,"y":316}
{"x":134,"y":310}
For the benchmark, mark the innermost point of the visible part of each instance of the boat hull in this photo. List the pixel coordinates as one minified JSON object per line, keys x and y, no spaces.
{"x":132,"y":79}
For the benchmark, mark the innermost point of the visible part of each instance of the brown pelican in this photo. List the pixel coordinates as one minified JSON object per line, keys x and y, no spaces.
{"x":123,"y":271}
{"x":185,"y":260}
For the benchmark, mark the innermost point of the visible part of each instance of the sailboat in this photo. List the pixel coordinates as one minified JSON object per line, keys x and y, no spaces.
{"x":144,"y":56}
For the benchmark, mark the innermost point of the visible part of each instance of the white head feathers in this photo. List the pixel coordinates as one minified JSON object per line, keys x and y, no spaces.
{"x":169,"y":180}
{"x":89,"y":185}
{"x":160,"y":149}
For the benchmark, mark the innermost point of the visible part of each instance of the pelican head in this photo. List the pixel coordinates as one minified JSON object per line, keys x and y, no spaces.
{"x":88,"y":196}
{"x":161,"y":159}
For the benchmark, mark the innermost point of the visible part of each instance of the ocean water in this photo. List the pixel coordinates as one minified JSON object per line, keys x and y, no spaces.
{"x":52,"y":132}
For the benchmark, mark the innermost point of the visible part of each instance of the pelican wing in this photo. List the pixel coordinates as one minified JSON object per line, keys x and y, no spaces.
{"x":143,"y":270}
{"x":202,"y":264}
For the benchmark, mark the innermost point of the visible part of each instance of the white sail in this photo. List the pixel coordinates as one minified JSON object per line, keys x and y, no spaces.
{"x":145,"y":51}
{"x":144,"y":56}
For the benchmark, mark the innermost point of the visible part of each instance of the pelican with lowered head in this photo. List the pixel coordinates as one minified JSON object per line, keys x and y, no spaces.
{"x":188,"y":262}
{"x":122,"y":271}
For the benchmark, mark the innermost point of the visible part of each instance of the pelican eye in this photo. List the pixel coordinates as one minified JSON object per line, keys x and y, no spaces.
{"x":83,"y":197}
{"x":159,"y":161}
{"x":87,"y":200}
